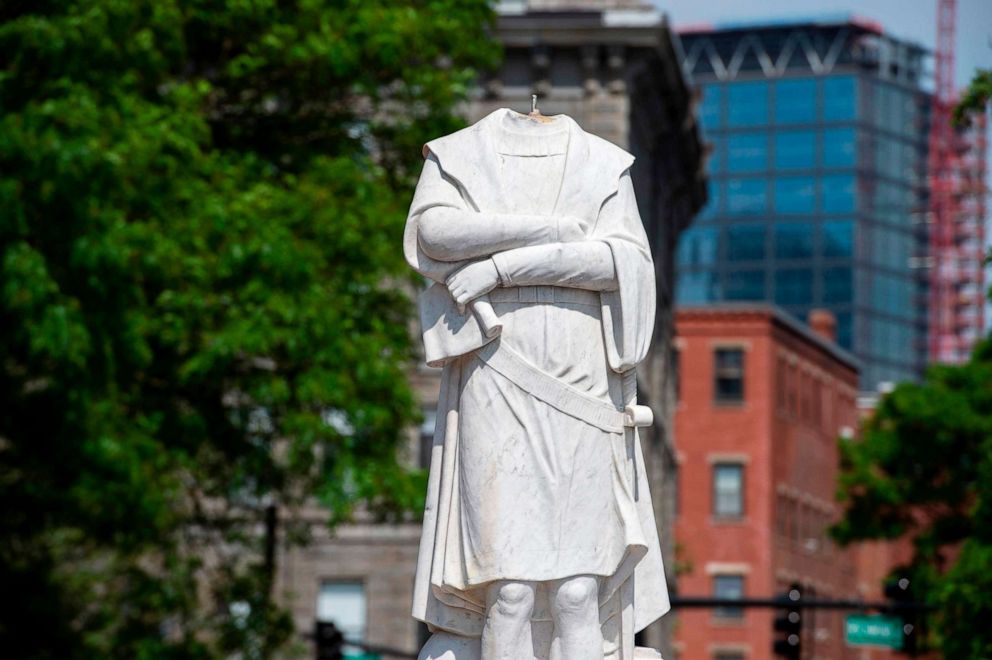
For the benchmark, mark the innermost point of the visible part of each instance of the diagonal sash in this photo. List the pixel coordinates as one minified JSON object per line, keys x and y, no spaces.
{"x":561,"y":396}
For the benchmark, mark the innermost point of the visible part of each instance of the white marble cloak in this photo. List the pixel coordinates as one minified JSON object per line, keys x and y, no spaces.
{"x":461,"y":172}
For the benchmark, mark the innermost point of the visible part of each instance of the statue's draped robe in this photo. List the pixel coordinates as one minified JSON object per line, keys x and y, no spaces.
{"x":519,"y":490}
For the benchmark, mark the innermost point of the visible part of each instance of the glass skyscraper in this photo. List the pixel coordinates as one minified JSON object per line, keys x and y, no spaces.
{"x":817,"y":182}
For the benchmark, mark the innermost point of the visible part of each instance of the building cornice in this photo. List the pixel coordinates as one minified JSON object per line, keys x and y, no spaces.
{"x":757,"y":311}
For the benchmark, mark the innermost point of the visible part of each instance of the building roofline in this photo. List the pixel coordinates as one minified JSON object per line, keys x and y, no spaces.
{"x":825,"y":19}
{"x":779,"y":316}
{"x":854,"y":22}
{"x":638,"y":27}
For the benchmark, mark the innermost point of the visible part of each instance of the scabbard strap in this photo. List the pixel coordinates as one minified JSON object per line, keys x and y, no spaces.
{"x":561,"y":396}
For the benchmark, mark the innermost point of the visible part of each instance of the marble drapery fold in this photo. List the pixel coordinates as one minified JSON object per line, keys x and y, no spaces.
{"x":583,"y":269}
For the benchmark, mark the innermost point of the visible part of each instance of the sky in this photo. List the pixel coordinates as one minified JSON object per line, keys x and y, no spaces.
{"x":913,"y":20}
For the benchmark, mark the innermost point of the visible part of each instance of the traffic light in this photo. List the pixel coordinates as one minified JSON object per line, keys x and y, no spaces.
{"x":789,"y":625}
{"x":899,"y":593}
{"x":329,"y":641}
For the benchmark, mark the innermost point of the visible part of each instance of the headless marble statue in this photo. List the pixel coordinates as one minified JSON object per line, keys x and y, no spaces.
{"x":539,"y":537}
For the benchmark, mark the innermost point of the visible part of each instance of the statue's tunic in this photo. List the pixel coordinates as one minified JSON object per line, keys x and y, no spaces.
{"x":520,"y":490}
{"x":540,"y":489}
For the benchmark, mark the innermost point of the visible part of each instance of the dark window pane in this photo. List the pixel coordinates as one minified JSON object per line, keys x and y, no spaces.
{"x":697,"y":287}
{"x":746,"y":196}
{"x":892,"y":200}
{"x":715,"y":162}
{"x":710,"y":107}
{"x":728,"y":490}
{"x":840,"y":98}
{"x":839,"y":193}
{"x":793,"y":240}
{"x":697,"y":246}
{"x":889,"y":157}
{"x":344,"y":604}
{"x":794,"y":286}
{"x":729,"y":375}
{"x":745,"y":285}
{"x":795,"y":194}
{"x":748,"y":104}
{"x":795,"y":101}
{"x":427,"y":436}
{"x":839,"y":147}
{"x":795,"y":150}
{"x":888,"y":104}
{"x":845,"y":334}
{"x":747,"y":153}
{"x":878,"y":338}
{"x":731,"y":587}
{"x":892,"y":294}
{"x":838,"y":285}
{"x":838,"y":238}
{"x":745,"y":242}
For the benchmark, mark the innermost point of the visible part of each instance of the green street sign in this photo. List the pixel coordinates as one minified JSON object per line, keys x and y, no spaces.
{"x":864,"y":630}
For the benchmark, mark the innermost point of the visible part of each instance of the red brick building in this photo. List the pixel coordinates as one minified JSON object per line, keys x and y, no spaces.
{"x":762,"y":399}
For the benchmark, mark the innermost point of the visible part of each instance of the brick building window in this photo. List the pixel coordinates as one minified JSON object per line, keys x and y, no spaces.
{"x":817,"y":403}
{"x":343,"y":603}
{"x":793,"y":392}
{"x":728,"y":381}
{"x":728,"y":490}
{"x":729,"y":587}
{"x":788,"y":517}
{"x":782,"y":515}
{"x":826,"y":393}
{"x":799,"y":516}
{"x":803,"y":396}
{"x":780,"y":384}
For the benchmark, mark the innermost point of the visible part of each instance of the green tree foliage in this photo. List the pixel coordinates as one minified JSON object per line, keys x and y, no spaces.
{"x":201,"y":205}
{"x":975,"y":98}
{"x":923,"y":470}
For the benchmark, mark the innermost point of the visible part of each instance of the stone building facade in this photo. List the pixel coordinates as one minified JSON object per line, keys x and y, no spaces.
{"x":614,"y":67}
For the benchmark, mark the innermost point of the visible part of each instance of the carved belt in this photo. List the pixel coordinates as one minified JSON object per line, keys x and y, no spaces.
{"x":545,"y":294}
{"x":562,"y":396}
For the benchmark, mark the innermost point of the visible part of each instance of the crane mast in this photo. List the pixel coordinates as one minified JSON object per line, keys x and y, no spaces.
{"x":957,"y":168}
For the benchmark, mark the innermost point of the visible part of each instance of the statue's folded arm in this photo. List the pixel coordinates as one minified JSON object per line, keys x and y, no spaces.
{"x":585,"y":265}
{"x":452,"y":234}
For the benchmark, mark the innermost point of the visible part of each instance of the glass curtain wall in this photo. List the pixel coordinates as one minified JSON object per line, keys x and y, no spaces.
{"x":814,"y":199}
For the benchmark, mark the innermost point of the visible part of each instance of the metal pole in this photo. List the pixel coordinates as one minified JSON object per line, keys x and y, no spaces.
{"x":805,"y":603}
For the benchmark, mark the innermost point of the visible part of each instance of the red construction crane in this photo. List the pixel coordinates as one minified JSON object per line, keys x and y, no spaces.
{"x":957,"y":211}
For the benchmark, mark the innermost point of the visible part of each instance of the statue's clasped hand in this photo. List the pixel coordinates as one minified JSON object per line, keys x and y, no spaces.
{"x":474,"y":280}
{"x":571,"y":229}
